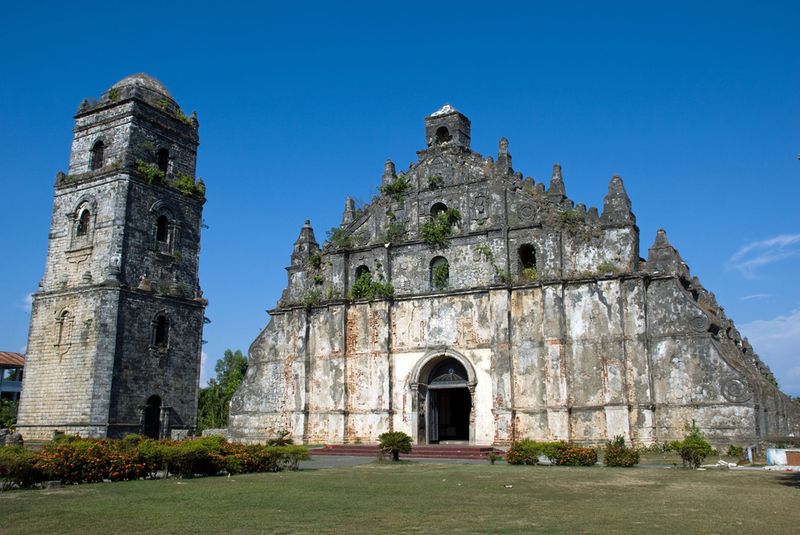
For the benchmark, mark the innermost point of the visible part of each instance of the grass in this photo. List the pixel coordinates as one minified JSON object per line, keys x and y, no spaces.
{"x":420,"y":498}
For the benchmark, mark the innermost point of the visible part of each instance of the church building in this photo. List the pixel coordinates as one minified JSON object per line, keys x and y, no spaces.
{"x":470,"y":304}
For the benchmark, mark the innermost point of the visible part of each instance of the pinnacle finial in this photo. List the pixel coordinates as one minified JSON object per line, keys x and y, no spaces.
{"x":617,"y":204}
{"x":662,"y":257}
{"x":557,"y":189}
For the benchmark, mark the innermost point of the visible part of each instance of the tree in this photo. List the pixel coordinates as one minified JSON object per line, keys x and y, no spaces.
{"x":214,"y":401}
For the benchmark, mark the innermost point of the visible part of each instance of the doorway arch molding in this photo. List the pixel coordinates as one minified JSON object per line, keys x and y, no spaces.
{"x":418,"y":385}
{"x":424,"y":366}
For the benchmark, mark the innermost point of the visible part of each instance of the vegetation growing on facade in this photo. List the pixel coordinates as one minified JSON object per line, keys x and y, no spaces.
{"x":440,"y":276}
{"x":311,"y":299}
{"x":607,"y":267}
{"x":150,"y":171}
{"x":397,"y":187}
{"x":113,"y":94}
{"x":395,"y":231}
{"x":367,"y":288}
{"x":437,"y":229}
{"x":435,"y":181}
{"x":315,"y":261}
{"x":339,"y":238}
{"x":189,"y":187}
{"x":570,"y":218}
{"x":488,"y":255}
{"x":528,"y":274}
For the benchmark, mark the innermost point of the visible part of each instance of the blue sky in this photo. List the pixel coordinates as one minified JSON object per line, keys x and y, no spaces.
{"x":696,"y":106}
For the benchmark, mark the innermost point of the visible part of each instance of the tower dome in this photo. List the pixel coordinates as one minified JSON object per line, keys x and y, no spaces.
{"x":142,"y":80}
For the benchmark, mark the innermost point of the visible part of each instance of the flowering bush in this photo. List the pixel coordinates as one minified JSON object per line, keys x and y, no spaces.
{"x":570,"y":455}
{"x":528,"y":451}
{"x":88,"y":461}
{"x":72,"y":459}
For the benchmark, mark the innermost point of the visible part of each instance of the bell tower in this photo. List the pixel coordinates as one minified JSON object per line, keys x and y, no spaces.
{"x":447,"y":126}
{"x":116,"y":324}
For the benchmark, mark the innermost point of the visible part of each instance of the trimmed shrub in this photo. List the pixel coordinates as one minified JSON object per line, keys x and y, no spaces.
{"x":525,"y":451}
{"x":570,"y":455}
{"x":88,"y":461}
{"x":154,"y":455}
{"x":289,"y":457}
{"x":200,"y":456}
{"x":248,"y":458}
{"x":693,"y":449}
{"x":18,"y":468}
{"x":618,"y":454}
{"x":395,"y":442}
{"x":71,"y":459}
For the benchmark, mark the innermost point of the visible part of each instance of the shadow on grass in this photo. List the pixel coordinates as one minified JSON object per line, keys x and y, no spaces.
{"x":790,"y":480}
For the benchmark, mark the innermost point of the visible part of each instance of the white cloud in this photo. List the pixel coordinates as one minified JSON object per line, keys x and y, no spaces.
{"x":27,"y":302}
{"x":761,"y":253}
{"x":204,"y":374}
{"x":777,"y":342}
{"x":754,"y":296}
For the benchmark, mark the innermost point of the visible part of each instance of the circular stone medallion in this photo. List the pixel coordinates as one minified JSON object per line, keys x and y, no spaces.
{"x":526,"y":212}
{"x":735,"y":390}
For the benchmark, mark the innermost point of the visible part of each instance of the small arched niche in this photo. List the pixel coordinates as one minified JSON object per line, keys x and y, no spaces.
{"x":438,"y":208}
{"x":527,"y":261}
{"x":439,"y":273}
{"x":361,"y":270}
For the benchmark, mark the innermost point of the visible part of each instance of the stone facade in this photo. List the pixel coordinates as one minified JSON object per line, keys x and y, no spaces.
{"x":116,"y":324}
{"x":518,"y":315}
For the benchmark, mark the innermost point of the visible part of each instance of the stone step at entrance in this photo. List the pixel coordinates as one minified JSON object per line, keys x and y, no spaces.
{"x":431,"y":451}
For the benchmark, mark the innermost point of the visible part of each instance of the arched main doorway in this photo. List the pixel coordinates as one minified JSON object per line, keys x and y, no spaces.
{"x":152,"y":417}
{"x":444,"y":400}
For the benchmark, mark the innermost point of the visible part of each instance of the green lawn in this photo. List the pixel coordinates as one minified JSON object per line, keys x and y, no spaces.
{"x":421,"y":498}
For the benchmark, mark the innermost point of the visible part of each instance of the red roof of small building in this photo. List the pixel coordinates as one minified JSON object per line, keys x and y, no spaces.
{"x":7,"y":358}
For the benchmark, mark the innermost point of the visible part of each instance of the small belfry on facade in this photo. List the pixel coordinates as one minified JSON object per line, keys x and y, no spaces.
{"x":116,"y":325}
{"x":467,"y":303}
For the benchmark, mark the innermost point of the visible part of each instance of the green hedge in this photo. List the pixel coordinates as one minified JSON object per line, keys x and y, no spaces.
{"x":618,"y":454}
{"x":77,"y":460}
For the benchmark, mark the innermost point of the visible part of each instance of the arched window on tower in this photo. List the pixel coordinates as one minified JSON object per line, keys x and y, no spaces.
{"x":97,"y":155}
{"x":84,"y":220}
{"x":162,"y":160}
{"x":440,"y":273}
{"x":161,"y":332}
{"x":163,"y":234}
{"x":62,"y":329}
{"x":527,"y":262}
{"x":443,"y":135}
